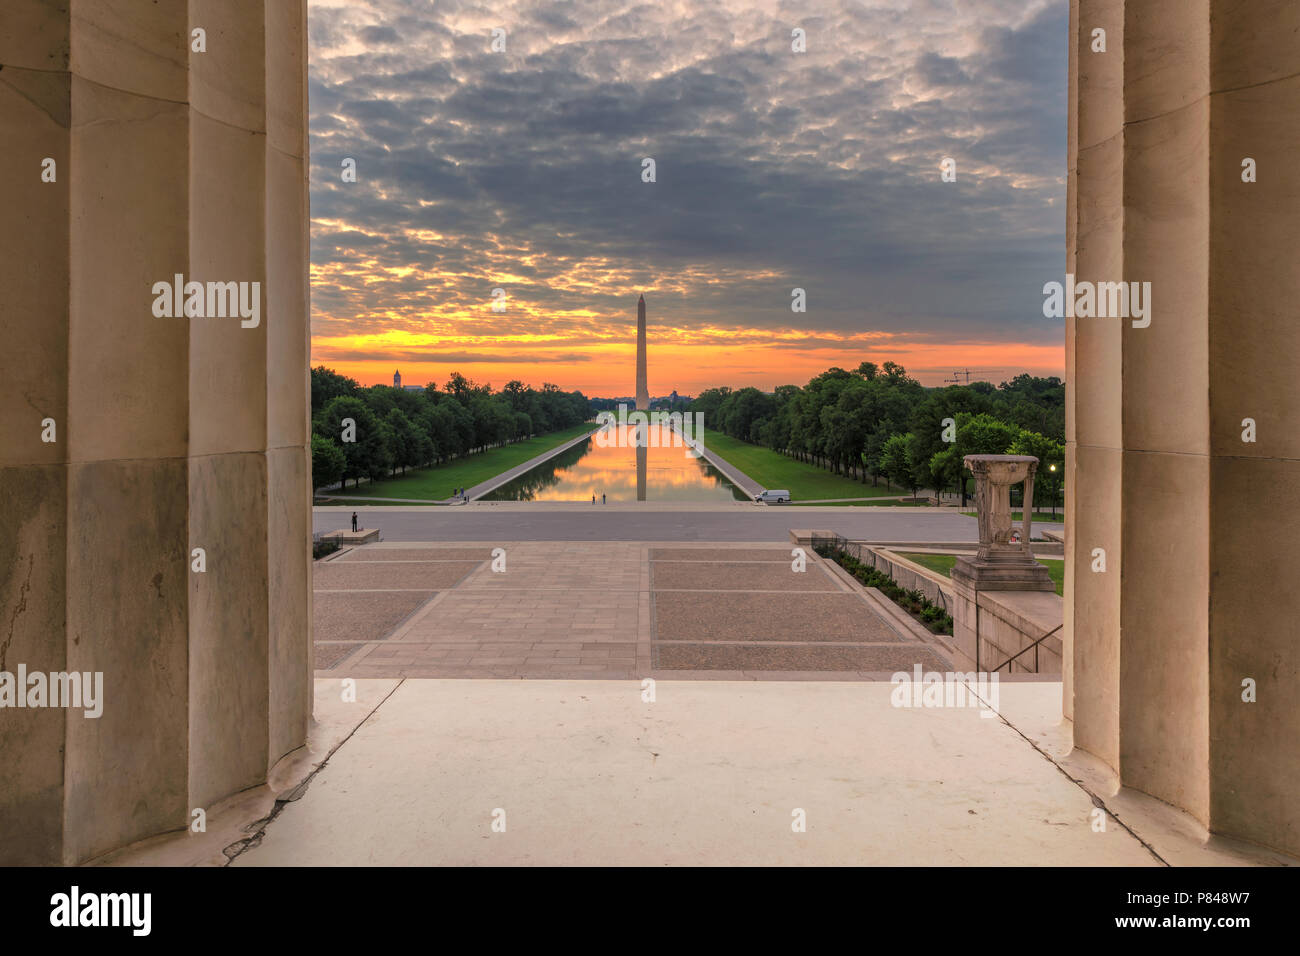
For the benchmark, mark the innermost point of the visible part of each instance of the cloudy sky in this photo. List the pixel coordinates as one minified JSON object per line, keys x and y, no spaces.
{"x":522,"y":170}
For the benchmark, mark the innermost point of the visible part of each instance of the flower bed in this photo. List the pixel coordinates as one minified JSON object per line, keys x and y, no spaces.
{"x":915,"y":603}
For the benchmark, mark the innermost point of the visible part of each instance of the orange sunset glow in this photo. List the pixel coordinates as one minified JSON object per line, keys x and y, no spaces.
{"x":682,"y":360}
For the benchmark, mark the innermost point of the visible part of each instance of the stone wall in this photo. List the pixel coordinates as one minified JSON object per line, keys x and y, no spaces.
{"x":936,"y":588}
{"x":1009,"y":622}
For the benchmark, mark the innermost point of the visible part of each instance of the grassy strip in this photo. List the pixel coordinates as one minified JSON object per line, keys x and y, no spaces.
{"x":1038,"y":516}
{"x":438,"y":481}
{"x":879,"y":503}
{"x":943,"y":563}
{"x":771,"y":469}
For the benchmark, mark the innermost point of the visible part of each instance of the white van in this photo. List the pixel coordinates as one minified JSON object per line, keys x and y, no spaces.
{"x":778,"y":495}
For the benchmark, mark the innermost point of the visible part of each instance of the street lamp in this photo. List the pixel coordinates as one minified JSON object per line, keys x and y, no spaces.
{"x":1052,"y":468}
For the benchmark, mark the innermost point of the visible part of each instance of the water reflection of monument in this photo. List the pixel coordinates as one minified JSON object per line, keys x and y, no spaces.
{"x":642,"y":400}
{"x":642,"y":453}
{"x":599,"y":465}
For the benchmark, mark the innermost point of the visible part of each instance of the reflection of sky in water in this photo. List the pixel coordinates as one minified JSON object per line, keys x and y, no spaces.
{"x":587,"y":469}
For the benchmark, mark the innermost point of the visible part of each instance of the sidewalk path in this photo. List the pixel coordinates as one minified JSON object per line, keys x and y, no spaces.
{"x":510,"y":521}
{"x":492,"y":484}
{"x":734,"y":474}
{"x":602,"y":610}
{"x":831,"y":501}
{"x":321,"y":499}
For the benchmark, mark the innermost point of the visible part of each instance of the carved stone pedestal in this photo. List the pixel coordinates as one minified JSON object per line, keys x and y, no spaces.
{"x":1002,"y":564}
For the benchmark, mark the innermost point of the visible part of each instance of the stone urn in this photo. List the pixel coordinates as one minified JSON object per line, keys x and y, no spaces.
{"x":1001,"y":563}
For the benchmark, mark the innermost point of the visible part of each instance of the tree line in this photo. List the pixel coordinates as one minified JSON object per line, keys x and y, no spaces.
{"x":877,"y":422}
{"x":394,"y":428}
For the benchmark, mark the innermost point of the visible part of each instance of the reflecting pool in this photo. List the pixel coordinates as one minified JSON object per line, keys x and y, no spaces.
{"x":622,"y":472}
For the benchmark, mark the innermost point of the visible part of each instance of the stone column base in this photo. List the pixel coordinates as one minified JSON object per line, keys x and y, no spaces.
{"x":1003,"y":571}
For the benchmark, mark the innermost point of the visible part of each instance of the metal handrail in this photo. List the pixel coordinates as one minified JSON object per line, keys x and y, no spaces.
{"x":1034,"y":645}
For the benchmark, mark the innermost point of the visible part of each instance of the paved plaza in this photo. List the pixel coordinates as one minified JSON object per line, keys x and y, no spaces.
{"x":611,"y":610}
{"x":771,"y":733}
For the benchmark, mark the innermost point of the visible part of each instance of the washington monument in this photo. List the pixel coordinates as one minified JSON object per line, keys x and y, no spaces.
{"x":642,"y":392}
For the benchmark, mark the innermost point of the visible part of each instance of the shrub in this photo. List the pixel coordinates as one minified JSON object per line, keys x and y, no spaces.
{"x":935,"y":618}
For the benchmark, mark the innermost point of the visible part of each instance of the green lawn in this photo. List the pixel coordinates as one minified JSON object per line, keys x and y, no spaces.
{"x":1038,"y":516}
{"x":942,"y":563}
{"x":774,"y":470}
{"x":438,"y":482}
{"x":879,"y":503}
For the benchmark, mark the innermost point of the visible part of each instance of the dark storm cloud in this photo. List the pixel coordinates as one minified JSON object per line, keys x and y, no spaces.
{"x":377,"y":36}
{"x":774,"y":170}
{"x":940,"y":70}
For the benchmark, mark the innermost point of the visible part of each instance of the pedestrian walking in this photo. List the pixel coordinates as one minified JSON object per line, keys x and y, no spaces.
{"x":593,"y":497}
{"x":354,"y":521}
{"x":602,"y":497}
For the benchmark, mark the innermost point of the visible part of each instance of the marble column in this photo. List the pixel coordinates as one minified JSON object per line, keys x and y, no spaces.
{"x":170,"y":434}
{"x":1182,"y":536}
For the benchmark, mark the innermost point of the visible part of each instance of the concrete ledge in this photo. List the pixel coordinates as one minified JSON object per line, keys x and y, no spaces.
{"x":1048,"y":549}
{"x":733,"y":474}
{"x":364,"y":536}
{"x":936,"y":588}
{"x":510,"y":474}
{"x":805,"y":538}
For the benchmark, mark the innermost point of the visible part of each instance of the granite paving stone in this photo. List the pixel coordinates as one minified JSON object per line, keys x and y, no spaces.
{"x":825,"y":657}
{"x":741,"y":616}
{"x":332,"y":655}
{"x":600,"y":610}
{"x":705,"y":576}
{"x":362,"y":617}
{"x":775,"y":555}
{"x":434,"y":575}
{"x":414,"y":554}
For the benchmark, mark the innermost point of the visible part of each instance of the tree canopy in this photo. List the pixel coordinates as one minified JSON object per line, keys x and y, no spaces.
{"x":877,"y":421}
{"x":395,"y":428}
